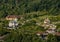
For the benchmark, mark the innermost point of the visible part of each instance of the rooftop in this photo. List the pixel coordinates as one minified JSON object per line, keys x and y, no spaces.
{"x":12,"y":16}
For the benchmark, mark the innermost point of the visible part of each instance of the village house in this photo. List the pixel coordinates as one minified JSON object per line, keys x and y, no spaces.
{"x":51,"y":29}
{"x":46,"y":23}
{"x":42,"y":35}
{"x":13,"y":24}
{"x":13,"y":21}
{"x":39,"y":33}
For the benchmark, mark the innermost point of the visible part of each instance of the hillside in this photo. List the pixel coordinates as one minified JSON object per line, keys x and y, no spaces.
{"x":33,"y":13}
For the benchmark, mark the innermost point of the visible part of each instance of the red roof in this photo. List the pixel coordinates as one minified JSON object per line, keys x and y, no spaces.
{"x":57,"y":33}
{"x":39,"y":33}
{"x":12,"y":16}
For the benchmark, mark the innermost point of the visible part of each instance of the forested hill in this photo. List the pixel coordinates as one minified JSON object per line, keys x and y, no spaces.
{"x":18,"y":7}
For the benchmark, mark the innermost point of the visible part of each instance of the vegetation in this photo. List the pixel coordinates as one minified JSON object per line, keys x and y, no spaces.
{"x":33,"y":11}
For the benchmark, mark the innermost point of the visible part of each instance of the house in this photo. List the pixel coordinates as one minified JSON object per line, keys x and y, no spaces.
{"x":46,"y":21}
{"x":12,"y":17}
{"x":51,"y":29}
{"x":39,"y":33}
{"x":13,"y":24}
{"x":12,"y":21}
{"x":42,"y":35}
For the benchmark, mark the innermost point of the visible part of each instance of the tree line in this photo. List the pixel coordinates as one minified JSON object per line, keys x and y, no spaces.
{"x":18,"y":7}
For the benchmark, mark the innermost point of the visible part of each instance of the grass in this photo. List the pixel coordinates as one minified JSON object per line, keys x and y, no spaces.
{"x":30,"y":27}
